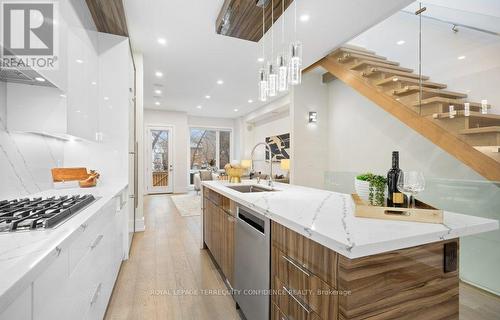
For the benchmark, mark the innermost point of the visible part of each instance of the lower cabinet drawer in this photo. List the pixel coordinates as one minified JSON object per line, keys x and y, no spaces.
{"x":319,"y":297}
{"x":290,"y":305}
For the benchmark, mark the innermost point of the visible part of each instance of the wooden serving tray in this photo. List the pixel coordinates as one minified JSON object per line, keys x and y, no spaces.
{"x":69,"y":174}
{"x":422,"y":213}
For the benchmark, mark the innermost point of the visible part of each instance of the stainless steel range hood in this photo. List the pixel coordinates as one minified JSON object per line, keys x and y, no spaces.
{"x":23,"y":75}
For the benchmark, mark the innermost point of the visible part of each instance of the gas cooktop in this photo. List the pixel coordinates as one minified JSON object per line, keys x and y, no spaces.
{"x":40,"y":213}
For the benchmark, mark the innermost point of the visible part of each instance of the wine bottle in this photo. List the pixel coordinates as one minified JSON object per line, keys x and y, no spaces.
{"x":394,"y":197}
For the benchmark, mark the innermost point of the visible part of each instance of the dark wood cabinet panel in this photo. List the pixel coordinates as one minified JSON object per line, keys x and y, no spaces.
{"x":312,"y":256}
{"x":402,"y":284}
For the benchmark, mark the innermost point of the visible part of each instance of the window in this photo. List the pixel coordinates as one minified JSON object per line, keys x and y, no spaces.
{"x":210,"y":148}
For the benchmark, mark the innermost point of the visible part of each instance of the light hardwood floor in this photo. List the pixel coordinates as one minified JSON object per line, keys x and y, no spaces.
{"x":167,"y":256}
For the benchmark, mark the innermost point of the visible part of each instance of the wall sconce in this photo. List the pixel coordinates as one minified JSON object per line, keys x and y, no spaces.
{"x":313,"y":117}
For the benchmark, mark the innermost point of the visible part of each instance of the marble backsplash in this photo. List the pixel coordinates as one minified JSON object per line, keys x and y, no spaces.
{"x":25,"y":159}
{"x":25,"y":162}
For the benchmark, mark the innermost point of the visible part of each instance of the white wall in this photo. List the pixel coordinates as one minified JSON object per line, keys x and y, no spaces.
{"x":309,"y":140}
{"x":179,"y":122}
{"x":362,"y":137}
{"x":3,"y":104}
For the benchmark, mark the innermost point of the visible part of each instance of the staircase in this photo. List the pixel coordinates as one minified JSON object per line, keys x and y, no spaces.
{"x":473,"y":139}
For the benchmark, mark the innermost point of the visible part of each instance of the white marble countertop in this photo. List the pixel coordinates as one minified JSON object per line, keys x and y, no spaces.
{"x":25,"y":254}
{"x":328,"y":218}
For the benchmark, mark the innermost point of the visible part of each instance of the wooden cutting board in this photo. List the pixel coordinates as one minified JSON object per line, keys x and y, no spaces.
{"x":69,"y":174}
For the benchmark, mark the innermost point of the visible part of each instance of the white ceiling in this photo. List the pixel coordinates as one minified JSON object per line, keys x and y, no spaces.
{"x":195,"y":57}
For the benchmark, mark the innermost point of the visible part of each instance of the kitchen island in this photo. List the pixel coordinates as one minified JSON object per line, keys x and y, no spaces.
{"x":332,"y":265}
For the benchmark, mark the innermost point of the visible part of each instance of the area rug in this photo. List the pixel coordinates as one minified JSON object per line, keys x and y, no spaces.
{"x":187,"y":204}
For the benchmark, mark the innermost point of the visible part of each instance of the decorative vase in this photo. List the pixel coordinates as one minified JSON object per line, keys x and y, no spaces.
{"x":362,"y":189}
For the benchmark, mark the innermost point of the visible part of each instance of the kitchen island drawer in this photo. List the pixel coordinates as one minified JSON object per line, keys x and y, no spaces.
{"x":306,"y":253}
{"x":318,"y":295}
{"x":291,"y":305}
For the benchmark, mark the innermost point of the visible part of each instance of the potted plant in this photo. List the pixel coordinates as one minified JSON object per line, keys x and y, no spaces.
{"x":371,"y":188}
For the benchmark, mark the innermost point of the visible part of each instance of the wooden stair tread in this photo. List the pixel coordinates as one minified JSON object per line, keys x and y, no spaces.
{"x":492,"y":129}
{"x":398,"y":73}
{"x":379,"y":64}
{"x":347,"y":50}
{"x":428,"y":84}
{"x":415,"y":89}
{"x":461,"y":113}
{"x":349,"y":56}
{"x":446,"y":101}
{"x":357,"y":48}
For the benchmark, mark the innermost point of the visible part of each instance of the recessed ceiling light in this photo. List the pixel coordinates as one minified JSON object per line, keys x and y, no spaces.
{"x":235,"y":110}
{"x":40,"y":79}
{"x":250,"y":101}
{"x":106,"y":98}
{"x":220,"y":82}
{"x":400,"y":42}
{"x":162,"y":41}
{"x":461,"y":57}
{"x":207,"y":97}
{"x":77,"y":111}
{"x":159,"y":74}
{"x":199,"y":107}
{"x":157,"y":103}
{"x":158,"y":91}
{"x":260,"y":59}
{"x":79,"y":61}
{"x":94,"y":83}
{"x":62,"y":95}
{"x":304,"y":18}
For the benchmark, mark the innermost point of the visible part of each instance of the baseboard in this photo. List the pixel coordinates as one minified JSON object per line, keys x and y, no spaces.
{"x":139,"y":225}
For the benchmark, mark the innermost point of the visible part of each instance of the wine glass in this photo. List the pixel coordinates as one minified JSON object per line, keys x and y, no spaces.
{"x":411,"y":183}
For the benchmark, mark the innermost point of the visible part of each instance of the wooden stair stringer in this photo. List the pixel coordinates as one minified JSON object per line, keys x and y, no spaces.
{"x":446,"y":140}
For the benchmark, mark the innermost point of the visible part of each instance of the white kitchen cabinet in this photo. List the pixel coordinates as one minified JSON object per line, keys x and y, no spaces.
{"x":20,"y":308}
{"x":78,"y":281}
{"x":83,"y":83}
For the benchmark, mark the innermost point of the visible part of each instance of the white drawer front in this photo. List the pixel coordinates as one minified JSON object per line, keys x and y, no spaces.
{"x":20,"y":309}
{"x":49,"y":287}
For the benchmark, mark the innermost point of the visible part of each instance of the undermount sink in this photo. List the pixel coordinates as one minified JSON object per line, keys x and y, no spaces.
{"x":250,"y":188}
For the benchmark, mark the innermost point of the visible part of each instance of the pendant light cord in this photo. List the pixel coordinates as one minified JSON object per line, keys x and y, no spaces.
{"x":295,"y":21}
{"x":272,"y":30}
{"x":282,"y":23}
{"x":263,"y":36}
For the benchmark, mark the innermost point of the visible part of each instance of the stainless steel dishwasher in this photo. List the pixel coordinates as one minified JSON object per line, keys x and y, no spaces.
{"x":252,"y":264}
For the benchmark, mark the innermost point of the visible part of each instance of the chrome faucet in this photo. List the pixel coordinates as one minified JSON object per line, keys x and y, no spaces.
{"x":270,"y":180}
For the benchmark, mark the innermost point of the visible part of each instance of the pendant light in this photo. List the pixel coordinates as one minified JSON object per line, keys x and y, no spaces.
{"x":272,"y":81}
{"x":262,"y":85}
{"x":281,"y":60}
{"x":262,"y":72}
{"x":295,"y":62}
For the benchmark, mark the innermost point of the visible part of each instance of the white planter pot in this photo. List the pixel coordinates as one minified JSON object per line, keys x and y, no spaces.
{"x":362,"y":189}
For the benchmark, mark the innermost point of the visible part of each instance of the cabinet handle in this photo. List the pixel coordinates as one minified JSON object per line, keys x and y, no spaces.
{"x":84,"y":226}
{"x":96,"y":294}
{"x":306,"y":309}
{"x":96,"y":241}
{"x":231,"y":218}
{"x":296,"y":265}
{"x":58,"y":251}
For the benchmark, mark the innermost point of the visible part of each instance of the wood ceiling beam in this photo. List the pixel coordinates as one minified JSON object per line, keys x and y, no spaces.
{"x":109,"y":16}
{"x":243,"y":18}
